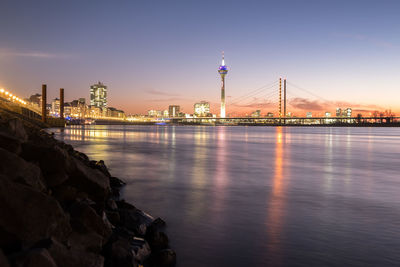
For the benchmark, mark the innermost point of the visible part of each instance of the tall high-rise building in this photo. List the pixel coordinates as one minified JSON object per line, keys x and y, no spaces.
{"x":173,"y":110}
{"x":98,"y":95}
{"x":223,"y":70}
{"x":202,"y":109}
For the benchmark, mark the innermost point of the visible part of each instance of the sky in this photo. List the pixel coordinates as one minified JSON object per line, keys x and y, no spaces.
{"x":152,"y":54}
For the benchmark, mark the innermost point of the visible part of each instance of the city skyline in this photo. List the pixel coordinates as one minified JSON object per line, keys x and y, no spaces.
{"x":322,"y":48}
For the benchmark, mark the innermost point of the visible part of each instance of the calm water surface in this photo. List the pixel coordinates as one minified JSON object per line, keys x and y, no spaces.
{"x":258,"y":196}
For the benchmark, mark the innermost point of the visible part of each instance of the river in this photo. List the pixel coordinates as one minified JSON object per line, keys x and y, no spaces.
{"x":258,"y":196}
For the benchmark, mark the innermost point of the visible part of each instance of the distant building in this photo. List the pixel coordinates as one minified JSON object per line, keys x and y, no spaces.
{"x":173,"y":110}
{"x":256,"y":114}
{"x":270,"y":114}
{"x":202,"y":109}
{"x":328,"y":114}
{"x":94,"y":112}
{"x":55,"y":107}
{"x":67,"y":109}
{"x":165,"y":114}
{"x":98,"y":95}
{"x":309,"y":115}
{"x":36,"y":99}
{"x":347,"y":112}
{"x":115,"y":113}
{"x":338,"y":112}
{"x":154,"y":113}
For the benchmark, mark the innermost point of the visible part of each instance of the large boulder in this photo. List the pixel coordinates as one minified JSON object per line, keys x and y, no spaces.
{"x":17,"y":129}
{"x":70,"y":257}
{"x":164,"y":258}
{"x":89,"y":180}
{"x":38,"y":257}
{"x":10,"y":142}
{"x":84,"y":219}
{"x":29,"y":215}
{"x":134,"y":219}
{"x":140,"y":249}
{"x":90,"y":241}
{"x":54,"y":161}
{"x":3,"y":260}
{"x":119,"y":253}
{"x":18,"y":170}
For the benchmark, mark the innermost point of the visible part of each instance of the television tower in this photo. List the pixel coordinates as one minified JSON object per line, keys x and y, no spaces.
{"x":223,"y":70}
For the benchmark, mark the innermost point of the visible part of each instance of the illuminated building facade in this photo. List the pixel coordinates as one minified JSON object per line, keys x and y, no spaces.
{"x":202,"y":109}
{"x":174,"y":110}
{"x":256,"y":114}
{"x":338,"y":112}
{"x":55,"y":107}
{"x":223,"y":70}
{"x":98,"y":95}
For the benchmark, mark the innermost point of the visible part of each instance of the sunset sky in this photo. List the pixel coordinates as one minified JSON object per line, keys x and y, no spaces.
{"x":154,"y":53}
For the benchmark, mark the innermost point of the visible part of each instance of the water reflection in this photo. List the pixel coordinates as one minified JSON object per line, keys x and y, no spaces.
{"x":260,"y":196}
{"x":276,"y":203}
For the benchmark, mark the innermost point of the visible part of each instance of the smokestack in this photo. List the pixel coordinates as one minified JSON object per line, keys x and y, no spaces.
{"x":62,"y":103}
{"x":44,"y":102}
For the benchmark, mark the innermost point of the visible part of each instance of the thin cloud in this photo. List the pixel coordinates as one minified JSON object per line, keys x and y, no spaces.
{"x":306,"y":104}
{"x":170,"y":99}
{"x":32,"y":54}
{"x":159,"y":93}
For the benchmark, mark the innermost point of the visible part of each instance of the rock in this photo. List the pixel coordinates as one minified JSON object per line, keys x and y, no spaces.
{"x":54,"y":161}
{"x":91,"y":241}
{"x":89,"y":180}
{"x":157,"y":240}
{"x":116,"y":183}
{"x":9,"y":242}
{"x":113,"y":217}
{"x":38,"y":257}
{"x":65,"y":194}
{"x":141,"y":249}
{"x":84,"y":219}
{"x":134,"y":219}
{"x":102,"y":167}
{"x":165,"y":258}
{"x":111,"y":205}
{"x":119,"y":254}
{"x":18,"y":170}
{"x":82,"y":157}
{"x":3,"y":260}
{"x":17,"y":129}
{"x":65,"y":257}
{"x":30,"y":215}
{"x":10,"y":143}
{"x":158,"y":224}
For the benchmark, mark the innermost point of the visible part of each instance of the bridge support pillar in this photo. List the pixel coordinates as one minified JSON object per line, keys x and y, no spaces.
{"x":44,"y":103}
{"x":62,"y":103}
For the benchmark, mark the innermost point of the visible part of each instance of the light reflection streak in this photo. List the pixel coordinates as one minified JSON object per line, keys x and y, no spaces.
{"x":276,"y":202}
{"x":328,"y":169}
{"x":221,"y":172}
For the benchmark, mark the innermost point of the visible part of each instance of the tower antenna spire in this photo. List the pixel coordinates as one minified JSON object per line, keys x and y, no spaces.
{"x":223,"y":59}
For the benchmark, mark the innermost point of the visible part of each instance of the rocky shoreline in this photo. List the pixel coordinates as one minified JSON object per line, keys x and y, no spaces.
{"x":59,"y":208}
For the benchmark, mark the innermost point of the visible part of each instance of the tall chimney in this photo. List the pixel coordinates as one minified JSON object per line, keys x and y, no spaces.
{"x":44,"y":102}
{"x":62,"y":103}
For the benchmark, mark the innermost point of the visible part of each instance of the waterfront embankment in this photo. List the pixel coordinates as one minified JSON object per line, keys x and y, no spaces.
{"x":59,"y":208}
